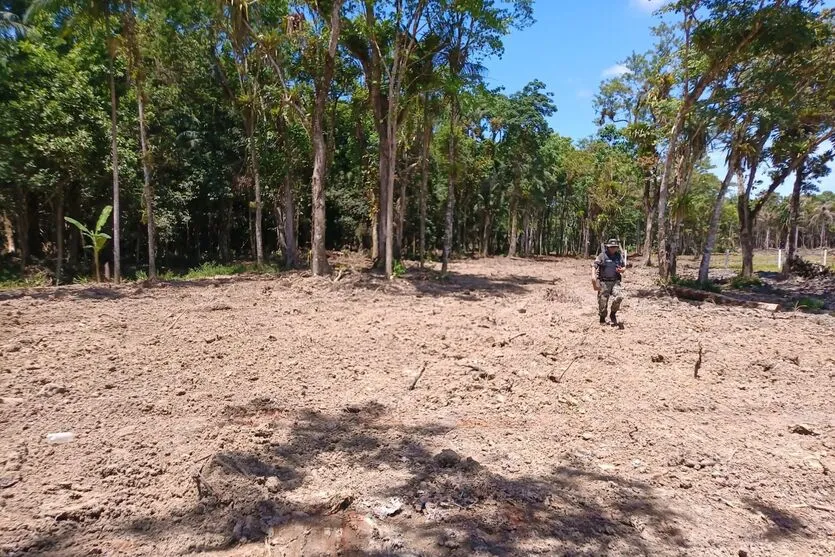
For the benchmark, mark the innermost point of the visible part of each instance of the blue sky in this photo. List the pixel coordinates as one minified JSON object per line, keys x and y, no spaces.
{"x":572,"y":47}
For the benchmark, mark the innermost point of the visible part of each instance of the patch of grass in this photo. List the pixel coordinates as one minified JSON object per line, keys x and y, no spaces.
{"x":740,"y":283}
{"x":810,"y":303}
{"x":708,"y":286}
{"x":11,"y":277}
{"x":208,"y":270}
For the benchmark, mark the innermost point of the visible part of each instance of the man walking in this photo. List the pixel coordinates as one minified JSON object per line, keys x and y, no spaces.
{"x":607,"y":271}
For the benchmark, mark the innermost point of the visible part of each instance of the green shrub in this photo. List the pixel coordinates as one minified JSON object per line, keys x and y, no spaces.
{"x":399,"y":269}
{"x":209,"y":269}
{"x":708,"y":286}
{"x":811,"y":303}
{"x":740,"y":283}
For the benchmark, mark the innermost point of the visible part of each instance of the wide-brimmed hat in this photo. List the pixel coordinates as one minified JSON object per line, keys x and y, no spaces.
{"x":613,"y":243}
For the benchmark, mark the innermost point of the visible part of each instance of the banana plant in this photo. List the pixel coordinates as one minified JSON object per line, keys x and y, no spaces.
{"x":97,"y":238}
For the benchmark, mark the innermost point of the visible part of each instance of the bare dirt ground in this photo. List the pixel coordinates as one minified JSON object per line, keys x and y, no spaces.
{"x":275,"y":417}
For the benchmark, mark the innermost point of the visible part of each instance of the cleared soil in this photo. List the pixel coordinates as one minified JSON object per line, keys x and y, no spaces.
{"x":275,"y":417}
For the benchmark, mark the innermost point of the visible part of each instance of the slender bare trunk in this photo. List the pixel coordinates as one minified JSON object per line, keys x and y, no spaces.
{"x":8,"y":231}
{"x":794,"y":213}
{"x":713,"y":229}
{"x":424,"y":178}
{"x":391,"y":148}
{"x":319,"y":257}
{"x":147,"y":190}
{"x":256,"y":181}
{"x":450,"y":204}
{"x":114,"y":161}
{"x":59,"y":233}
{"x":288,"y":224}
{"x":513,"y":234}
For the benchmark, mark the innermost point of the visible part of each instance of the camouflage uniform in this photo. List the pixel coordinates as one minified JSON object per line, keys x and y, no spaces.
{"x":609,"y":280}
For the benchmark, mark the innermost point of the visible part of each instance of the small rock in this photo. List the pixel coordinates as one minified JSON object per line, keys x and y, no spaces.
{"x":447,"y":458}
{"x":742,"y":553}
{"x":451,"y":539}
{"x":803,"y":429}
{"x":388,"y":508}
{"x":685,"y":485}
{"x":657,"y":359}
{"x":51,"y":389}
{"x":273,"y":484}
{"x":815,"y":465}
{"x":587,"y":436}
{"x":522,"y":310}
{"x":180,"y":392}
{"x":9,"y":481}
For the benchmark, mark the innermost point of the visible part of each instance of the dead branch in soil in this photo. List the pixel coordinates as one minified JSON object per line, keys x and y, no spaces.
{"x":703,"y":296}
{"x":698,"y":365}
{"x":815,"y":507}
{"x":571,"y":363}
{"x":171,"y":326}
{"x":422,"y":369}
{"x":577,"y":357}
{"x":473,"y":367}
{"x":504,"y":343}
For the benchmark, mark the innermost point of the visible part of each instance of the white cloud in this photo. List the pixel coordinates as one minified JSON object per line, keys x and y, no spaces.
{"x":585,"y":94}
{"x":616,"y":71}
{"x":647,"y":6}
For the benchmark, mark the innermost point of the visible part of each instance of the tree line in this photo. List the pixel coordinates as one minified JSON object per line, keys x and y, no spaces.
{"x":274,"y":130}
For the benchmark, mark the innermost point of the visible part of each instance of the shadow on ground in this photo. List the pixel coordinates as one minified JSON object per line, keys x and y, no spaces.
{"x":447,"y":504}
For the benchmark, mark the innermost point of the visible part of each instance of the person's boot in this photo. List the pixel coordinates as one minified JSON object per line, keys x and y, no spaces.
{"x":602,"y":318}
{"x":613,"y":318}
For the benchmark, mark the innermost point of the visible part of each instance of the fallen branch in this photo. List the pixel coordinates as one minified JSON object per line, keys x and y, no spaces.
{"x":171,"y":326}
{"x":719,"y":299}
{"x":698,"y":365}
{"x":508,"y":341}
{"x":571,"y":363}
{"x":473,"y":367}
{"x":816,"y":507}
{"x":422,"y":369}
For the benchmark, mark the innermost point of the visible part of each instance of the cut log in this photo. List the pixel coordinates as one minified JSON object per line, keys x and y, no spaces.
{"x":703,"y":296}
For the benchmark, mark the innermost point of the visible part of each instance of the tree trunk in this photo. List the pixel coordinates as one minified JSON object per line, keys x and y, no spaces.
{"x":319,"y":257}
{"x":147,"y":190}
{"x":391,"y":148}
{"x":401,"y":214}
{"x":288,"y":224}
{"x":8,"y":231}
{"x":23,"y":226}
{"x":715,"y":218}
{"x":794,"y":213}
{"x":225,"y":239}
{"x":746,"y":241}
{"x":256,"y":182}
{"x":513,"y":233}
{"x":114,"y":161}
{"x":375,"y":227}
{"x":59,"y":233}
{"x":424,"y":178}
{"x":650,"y":206}
{"x":450,"y":204}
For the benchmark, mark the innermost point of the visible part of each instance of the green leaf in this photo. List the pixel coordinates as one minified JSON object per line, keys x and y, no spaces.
{"x":78,"y":225}
{"x":105,"y":213}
